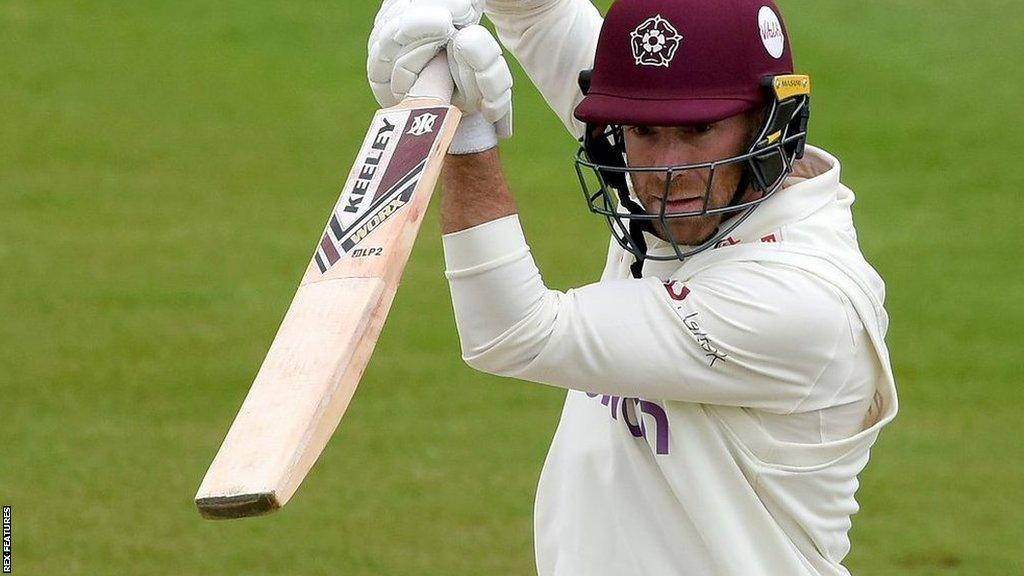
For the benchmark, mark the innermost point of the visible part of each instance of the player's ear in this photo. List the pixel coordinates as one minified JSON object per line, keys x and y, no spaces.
{"x":584,"y":80}
{"x":755,"y":120}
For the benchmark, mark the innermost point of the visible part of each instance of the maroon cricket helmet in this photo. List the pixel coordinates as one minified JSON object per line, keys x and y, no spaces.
{"x":677,"y":62}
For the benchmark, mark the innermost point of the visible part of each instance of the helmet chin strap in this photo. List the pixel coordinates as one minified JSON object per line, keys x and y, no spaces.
{"x":636,"y":233}
{"x":741,"y":186}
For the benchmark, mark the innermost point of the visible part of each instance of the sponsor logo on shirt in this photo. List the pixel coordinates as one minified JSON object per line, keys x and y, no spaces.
{"x":727,"y":241}
{"x":676,"y":291}
{"x":767,"y":239}
{"x":711,"y":351}
{"x":633,"y":412}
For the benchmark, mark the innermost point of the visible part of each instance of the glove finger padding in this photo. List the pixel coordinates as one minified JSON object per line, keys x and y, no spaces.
{"x":402,"y":46}
{"x":389,"y":9}
{"x":464,"y":12}
{"x":482,"y":77}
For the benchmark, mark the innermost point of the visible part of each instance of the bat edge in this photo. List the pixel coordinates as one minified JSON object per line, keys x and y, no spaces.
{"x":237,"y":506}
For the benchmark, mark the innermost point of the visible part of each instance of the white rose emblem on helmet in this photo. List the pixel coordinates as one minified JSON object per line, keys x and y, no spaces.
{"x":655,"y":42}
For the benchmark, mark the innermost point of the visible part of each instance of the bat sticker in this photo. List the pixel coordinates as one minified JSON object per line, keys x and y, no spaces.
{"x":391,"y":163}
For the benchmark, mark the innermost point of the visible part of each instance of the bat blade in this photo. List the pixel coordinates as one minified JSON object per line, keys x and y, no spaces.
{"x":327,"y":336}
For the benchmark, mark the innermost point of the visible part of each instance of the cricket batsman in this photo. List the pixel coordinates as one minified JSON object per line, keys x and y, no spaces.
{"x":728,"y":374}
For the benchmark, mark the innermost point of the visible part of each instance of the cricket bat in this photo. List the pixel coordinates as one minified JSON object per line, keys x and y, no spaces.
{"x":328,"y":334}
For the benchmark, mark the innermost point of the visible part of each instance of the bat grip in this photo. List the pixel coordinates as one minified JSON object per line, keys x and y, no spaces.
{"x":435,"y":81}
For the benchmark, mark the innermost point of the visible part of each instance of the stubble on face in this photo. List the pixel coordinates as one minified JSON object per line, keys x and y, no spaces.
{"x":688,"y":190}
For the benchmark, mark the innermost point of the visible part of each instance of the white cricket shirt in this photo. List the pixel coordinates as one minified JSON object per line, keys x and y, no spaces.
{"x":719,"y":410}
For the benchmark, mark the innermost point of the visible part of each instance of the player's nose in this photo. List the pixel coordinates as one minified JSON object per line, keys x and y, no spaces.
{"x":682,"y":181}
{"x":673,"y":152}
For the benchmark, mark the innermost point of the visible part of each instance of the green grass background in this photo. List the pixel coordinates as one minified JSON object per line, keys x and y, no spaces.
{"x":165,"y":168}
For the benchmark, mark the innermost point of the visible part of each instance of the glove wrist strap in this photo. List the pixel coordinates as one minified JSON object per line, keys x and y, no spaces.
{"x":475,"y":134}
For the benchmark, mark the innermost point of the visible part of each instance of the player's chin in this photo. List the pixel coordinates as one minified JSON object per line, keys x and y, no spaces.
{"x":690,"y":231}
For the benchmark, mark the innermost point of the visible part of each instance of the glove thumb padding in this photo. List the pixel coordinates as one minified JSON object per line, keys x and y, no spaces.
{"x":482,"y":77}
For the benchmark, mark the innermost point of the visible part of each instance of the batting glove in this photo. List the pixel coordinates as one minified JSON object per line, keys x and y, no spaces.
{"x":483,"y":90}
{"x":407,"y":34}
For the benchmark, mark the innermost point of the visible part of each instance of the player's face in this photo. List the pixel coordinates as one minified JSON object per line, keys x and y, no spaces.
{"x":678,"y":145}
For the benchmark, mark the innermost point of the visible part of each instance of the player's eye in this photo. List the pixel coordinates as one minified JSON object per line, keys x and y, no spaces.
{"x":702,"y":128}
{"x":641,"y":130}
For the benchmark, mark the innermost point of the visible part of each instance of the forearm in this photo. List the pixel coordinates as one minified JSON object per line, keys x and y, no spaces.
{"x":553,"y":40}
{"x":473,"y":191}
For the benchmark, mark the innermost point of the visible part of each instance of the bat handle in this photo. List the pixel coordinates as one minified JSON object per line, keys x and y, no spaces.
{"x":435,"y":81}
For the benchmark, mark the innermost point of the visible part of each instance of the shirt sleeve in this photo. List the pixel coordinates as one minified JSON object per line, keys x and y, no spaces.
{"x":553,"y":40}
{"x":743,"y":334}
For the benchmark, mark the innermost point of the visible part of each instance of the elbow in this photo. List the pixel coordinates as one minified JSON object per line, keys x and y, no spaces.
{"x":490,"y":364}
{"x":518,"y":347}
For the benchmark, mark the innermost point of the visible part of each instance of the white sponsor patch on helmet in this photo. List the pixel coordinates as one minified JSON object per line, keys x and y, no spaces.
{"x":771,"y":32}
{"x":655,"y":42}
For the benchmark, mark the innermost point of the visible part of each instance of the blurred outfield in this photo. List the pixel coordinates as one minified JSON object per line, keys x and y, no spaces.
{"x":166,"y":167}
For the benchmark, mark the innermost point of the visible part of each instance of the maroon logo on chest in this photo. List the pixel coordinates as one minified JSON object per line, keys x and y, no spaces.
{"x":633,"y":411}
{"x":676,"y":291}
